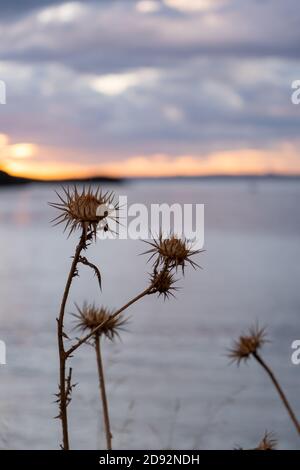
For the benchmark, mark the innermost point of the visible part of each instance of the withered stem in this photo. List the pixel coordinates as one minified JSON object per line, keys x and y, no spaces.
{"x":279,"y":390}
{"x":95,"y":330}
{"x":103,"y":396}
{"x":61,"y":349}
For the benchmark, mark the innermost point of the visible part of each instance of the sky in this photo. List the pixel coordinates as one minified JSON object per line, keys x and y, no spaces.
{"x":149,"y":87}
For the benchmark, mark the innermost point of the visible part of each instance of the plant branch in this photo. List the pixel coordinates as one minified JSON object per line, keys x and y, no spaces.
{"x":60,"y":338}
{"x":73,"y":348}
{"x":279,"y":390}
{"x":103,"y":395}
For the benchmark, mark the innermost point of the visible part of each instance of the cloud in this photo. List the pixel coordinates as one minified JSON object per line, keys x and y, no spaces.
{"x":195,"y":5}
{"x":115,"y":84}
{"x":209,"y":105}
{"x":64,"y":13}
{"x":12,"y":9}
{"x":119,"y":37}
{"x":148,"y":6}
{"x":98,"y":82}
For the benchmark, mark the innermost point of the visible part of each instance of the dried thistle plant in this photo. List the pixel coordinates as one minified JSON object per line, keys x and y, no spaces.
{"x":173,"y":252}
{"x":80,"y":210}
{"x":248,"y":345}
{"x":163,"y":283}
{"x":97,"y":322}
{"x":88,"y":318}
{"x":84,"y":209}
{"x":268,"y":442}
{"x":158,"y":285}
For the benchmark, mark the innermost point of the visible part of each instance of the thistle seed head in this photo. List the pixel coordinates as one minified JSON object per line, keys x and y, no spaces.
{"x":90,"y":317}
{"x":248,"y":344}
{"x":86,"y":209}
{"x":172,"y":252}
{"x":163,"y":283}
{"x":268,"y":442}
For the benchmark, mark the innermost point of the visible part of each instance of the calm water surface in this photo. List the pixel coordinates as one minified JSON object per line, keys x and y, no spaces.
{"x":169,"y":381}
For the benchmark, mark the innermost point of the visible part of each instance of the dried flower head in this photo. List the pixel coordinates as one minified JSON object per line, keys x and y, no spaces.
{"x":172,"y":252}
{"x":248,"y":344}
{"x":163,"y":283}
{"x":86,"y":209}
{"x":89,"y":317}
{"x":268,"y":442}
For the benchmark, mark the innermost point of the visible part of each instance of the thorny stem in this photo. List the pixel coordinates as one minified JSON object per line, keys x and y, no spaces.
{"x":103,"y":395}
{"x":65,"y":354}
{"x":279,"y":390}
{"x":61,"y":349}
{"x":147,"y":291}
{"x":150,"y":290}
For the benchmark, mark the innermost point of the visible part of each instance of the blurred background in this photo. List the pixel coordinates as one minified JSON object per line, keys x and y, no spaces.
{"x":136,"y":91}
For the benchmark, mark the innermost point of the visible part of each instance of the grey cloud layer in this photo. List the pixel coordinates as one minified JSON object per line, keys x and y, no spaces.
{"x":13,"y":9}
{"x":223,"y":78}
{"x":110,"y":36}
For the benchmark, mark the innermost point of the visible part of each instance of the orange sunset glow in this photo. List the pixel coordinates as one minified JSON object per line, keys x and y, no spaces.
{"x":22,"y":159}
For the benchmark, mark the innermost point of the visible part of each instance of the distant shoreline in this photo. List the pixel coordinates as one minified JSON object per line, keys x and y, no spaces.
{"x":9,"y":180}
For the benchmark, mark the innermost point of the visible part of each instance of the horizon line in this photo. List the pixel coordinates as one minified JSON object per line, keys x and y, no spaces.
{"x":8,"y":178}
